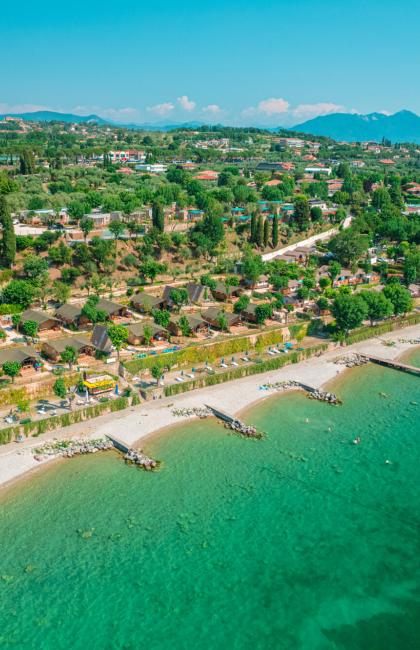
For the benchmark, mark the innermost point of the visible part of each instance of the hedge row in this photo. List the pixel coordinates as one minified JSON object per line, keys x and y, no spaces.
{"x":244,"y":371}
{"x":15,"y":394}
{"x":368,"y":332}
{"x":201,"y":353}
{"x":65,"y":420}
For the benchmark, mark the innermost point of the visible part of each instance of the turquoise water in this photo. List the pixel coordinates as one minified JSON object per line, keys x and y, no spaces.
{"x":302,"y":541}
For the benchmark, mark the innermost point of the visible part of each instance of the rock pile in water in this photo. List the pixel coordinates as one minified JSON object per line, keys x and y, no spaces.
{"x":140,"y":459}
{"x":70,"y":448}
{"x":352,"y":360}
{"x":247,"y":430}
{"x":288,"y":384}
{"x":324,"y":396}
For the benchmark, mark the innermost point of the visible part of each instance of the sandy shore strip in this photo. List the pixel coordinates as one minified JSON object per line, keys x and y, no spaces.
{"x":136,"y":423}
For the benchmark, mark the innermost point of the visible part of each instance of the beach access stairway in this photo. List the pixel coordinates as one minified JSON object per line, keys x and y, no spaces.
{"x":397,"y":365}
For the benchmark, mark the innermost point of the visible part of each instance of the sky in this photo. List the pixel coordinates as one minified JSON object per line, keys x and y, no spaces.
{"x":234,"y":62}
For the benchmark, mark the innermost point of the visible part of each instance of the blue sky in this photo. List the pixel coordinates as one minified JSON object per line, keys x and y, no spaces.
{"x":237,"y":62}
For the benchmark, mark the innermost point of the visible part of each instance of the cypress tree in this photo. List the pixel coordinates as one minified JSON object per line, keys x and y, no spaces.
{"x":8,"y":241}
{"x":266,"y":232}
{"x":260,"y":231}
{"x":158,"y":217}
{"x":253,"y":228}
{"x":275,"y":235}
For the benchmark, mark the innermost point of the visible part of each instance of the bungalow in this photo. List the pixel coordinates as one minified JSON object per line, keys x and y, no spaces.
{"x":196,"y":323}
{"x":197,"y":293}
{"x":69,"y":315}
{"x":53,"y":348}
{"x":41,"y":318}
{"x":25,"y":355}
{"x":222,"y":292}
{"x":212,"y":316}
{"x":261,"y":283}
{"x":249,"y":312}
{"x":136,"y":332}
{"x":292,"y":286}
{"x":100,"y":339}
{"x":112,"y":309}
{"x":347,"y":277}
{"x":145,"y":302}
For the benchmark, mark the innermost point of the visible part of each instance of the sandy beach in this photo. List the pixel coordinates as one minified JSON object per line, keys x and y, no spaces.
{"x":133,"y":425}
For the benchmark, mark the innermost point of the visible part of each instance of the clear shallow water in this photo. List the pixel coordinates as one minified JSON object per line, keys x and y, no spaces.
{"x":302,"y":541}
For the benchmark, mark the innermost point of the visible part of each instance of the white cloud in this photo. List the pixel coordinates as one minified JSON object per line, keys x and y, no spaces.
{"x":321,"y":108}
{"x":268,"y":107}
{"x":186,"y":103}
{"x":162,"y":109}
{"x":212,"y":108}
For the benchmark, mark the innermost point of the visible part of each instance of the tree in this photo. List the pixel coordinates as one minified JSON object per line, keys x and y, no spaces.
{"x":86,"y":226}
{"x":117,"y":228}
{"x":260,"y":231}
{"x":147,"y":334}
{"x":59,"y":388}
{"x":158,"y":216}
{"x":26,"y":162}
{"x":119,"y":336}
{"x":253,"y":236}
{"x":12,"y":369}
{"x":262,"y":312}
{"x":30,"y":328}
{"x":161,"y":317}
{"x":208,"y":233}
{"x":301,"y":213}
{"x":316,"y":214}
{"x":275,"y":233}
{"x":34,"y":267}
{"x":349,"y":311}
{"x":412,"y":267}
{"x":223,"y":322}
{"x":19,"y":292}
{"x":150,"y":269}
{"x":156,"y":372}
{"x":8,"y":241}
{"x":400,"y":298}
{"x":61,"y":291}
{"x":184,"y":326}
{"x":252,"y":267}
{"x":179,"y":297}
{"x":379,"y":306}
{"x":92,"y":313}
{"x":241,"y":304}
{"x":76,"y":209}
{"x":266,"y":235}
{"x":348,"y":246}
{"x":334,"y":268}
{"x":322,"y":303}
{"x":69,"y":355}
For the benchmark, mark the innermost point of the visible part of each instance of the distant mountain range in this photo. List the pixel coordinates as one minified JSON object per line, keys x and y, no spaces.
{"x":403,"y":126}
{"x":54,"y":116}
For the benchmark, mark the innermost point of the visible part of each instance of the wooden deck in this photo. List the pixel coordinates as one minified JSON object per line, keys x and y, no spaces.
{"x":397,"y":365}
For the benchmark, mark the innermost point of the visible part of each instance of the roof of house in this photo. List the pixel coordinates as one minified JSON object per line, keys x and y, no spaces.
{"x":196,"y":292}
{"x":143,"y":299}
{"x":18,"y":354}
{"x":137,"y":329}
{"x":36,"y":316}
{"x":194,"y":320}
{"x":109,"y":306}
{"x":69,"y":312}
{"x":76,"y":342}
{"x":212,"y":314}
{"x":250,"y":309}
{"x":100,"y":338}
{"x":229,"y":290}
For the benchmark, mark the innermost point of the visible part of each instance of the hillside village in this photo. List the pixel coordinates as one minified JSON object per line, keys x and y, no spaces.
{"x":152,"y":259}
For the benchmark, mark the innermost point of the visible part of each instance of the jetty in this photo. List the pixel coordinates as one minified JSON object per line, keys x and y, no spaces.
{"x":397,"y":365}
{"x":137,"y":457}
{"x":231,"y":422}
{"x":313,"y":393}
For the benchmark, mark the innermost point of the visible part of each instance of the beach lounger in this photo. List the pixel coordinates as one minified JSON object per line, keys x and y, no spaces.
{"x":190,"y":374}
{"x":234,"y":363}
{"x":246,"y":359}
{"x":223,"y":365}
{"x":270,"y":352}
{"x":179,"y":379}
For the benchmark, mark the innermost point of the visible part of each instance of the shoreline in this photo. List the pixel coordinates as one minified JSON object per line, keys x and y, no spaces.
{"x":138,"y":424}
